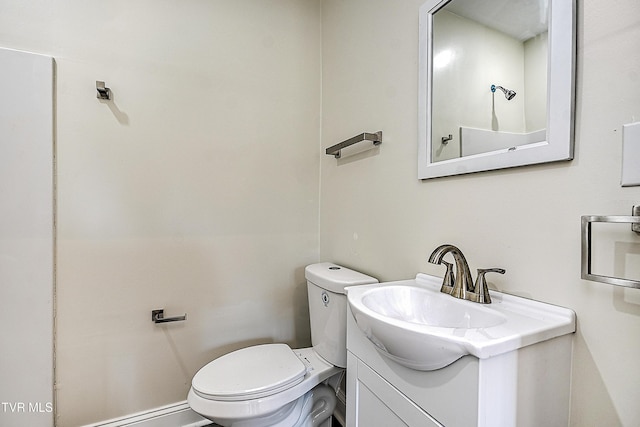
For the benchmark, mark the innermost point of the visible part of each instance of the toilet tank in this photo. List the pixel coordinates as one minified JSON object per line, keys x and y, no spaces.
{"x":328,"y":308}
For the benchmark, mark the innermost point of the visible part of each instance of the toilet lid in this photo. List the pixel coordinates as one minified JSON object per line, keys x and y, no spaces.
{"x":250,"y":373}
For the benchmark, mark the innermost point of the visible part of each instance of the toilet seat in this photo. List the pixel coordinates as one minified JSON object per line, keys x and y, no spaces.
{"x":316,"y":371}
{"x":250,"y":373}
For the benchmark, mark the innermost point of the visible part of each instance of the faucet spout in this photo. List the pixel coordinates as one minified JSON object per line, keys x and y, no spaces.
{"x":463,"y":281}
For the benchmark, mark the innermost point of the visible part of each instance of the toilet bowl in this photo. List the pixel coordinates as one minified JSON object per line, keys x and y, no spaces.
{"x":274,"y":385}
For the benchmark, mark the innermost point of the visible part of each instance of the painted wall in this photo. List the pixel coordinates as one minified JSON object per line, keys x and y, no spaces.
{"x":26,"y":239}
{"x":194,"y":190}
{"x":376,"y":215}
{"x":535,"y":82}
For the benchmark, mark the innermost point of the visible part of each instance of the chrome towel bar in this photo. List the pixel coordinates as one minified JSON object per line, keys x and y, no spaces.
{"x":158,"y":317}
{"x":587,"y":220}
{"x":334,"y":150}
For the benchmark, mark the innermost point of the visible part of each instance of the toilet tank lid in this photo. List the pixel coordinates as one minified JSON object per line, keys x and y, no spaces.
{"x":335,"y":278}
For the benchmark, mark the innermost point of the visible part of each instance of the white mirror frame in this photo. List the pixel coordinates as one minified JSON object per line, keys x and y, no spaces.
{"x":560,"y":101}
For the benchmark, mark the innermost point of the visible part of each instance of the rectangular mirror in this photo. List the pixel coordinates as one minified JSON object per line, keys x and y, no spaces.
{"x":496,"y":84}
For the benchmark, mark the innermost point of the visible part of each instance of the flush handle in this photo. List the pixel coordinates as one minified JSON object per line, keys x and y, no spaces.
{"x":325,"y":298}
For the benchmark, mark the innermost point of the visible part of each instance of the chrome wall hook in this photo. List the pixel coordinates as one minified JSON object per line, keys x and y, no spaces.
{"x":103,"y":91}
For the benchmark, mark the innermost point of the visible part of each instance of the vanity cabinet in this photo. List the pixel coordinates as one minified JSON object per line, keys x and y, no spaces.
{"x":528,"y":387}
{"x":381,"y":404}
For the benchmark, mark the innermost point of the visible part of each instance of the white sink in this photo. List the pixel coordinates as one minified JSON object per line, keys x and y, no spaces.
{"x":414,"y":324}
{"x":421,"y":306}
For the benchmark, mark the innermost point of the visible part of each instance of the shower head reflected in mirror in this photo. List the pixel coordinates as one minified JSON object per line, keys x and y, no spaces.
{"x":508,"y":93}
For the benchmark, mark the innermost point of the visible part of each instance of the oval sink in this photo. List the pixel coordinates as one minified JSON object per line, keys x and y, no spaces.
{"x":417,"y":326}
{"x":421,"y":306}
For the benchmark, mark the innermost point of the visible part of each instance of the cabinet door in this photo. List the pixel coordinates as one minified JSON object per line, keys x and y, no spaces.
{"x":374,"y":412}
{"x":378,"y":403}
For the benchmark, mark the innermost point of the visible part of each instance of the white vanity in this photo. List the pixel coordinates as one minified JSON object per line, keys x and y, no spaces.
{"x":418,"y":357}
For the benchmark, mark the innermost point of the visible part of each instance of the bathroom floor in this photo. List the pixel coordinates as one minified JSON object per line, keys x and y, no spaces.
{"x":334,"y":422}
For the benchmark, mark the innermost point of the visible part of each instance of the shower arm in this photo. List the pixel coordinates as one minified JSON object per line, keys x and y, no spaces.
{"x":494,"y":87}
{"x":508,"y":93}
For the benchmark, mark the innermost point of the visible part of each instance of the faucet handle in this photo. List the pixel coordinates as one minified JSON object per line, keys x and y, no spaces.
{"x":481,"y":290}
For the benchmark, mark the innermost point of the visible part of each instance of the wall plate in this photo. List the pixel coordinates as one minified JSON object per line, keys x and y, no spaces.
{"x":630,"y":155}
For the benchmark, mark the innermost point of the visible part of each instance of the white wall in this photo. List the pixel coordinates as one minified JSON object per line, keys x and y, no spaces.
{"x":535,"y":82}
{"x":377,"y":216}
{"x":26,"y":239}
{"x":195,"y":189}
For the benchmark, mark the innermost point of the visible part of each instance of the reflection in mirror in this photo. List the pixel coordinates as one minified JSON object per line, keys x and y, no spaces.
{"x":484,"y":55}
{"x":496,"y":84}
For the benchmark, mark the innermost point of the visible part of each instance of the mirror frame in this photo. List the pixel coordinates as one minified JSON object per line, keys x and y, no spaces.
{"x":560,"y":101}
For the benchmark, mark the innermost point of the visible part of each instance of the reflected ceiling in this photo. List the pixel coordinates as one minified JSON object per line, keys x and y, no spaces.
{"x":521,"y":19}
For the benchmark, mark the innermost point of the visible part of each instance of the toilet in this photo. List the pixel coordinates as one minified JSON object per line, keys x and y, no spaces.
{"x":274,"y":385}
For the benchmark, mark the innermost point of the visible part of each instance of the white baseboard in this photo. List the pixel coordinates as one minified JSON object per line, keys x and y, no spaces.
{"x":174,"y":415}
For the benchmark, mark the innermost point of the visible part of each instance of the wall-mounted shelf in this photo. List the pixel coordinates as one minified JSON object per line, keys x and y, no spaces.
{"x":375,"y":138}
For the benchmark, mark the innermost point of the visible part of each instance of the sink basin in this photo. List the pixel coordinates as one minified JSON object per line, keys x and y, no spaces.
{"x":422,"y":307}
{"x":417,"y":326}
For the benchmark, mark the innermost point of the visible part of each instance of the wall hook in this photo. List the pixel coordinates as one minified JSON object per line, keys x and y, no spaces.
{"x":103,"y":92}
{"x":446,"y":139}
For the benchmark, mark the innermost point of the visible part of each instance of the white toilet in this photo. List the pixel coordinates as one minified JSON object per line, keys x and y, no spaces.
{"x":273,"y":385}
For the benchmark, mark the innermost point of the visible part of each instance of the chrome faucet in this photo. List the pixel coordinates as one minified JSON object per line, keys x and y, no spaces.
{"x":460,"y":285}
{"x":463,"y":282}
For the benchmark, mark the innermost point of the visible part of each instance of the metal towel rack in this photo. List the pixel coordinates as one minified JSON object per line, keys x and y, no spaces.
{"x":334,"y":150}
{"x":587,"y":220}
{"x":158,"y":317}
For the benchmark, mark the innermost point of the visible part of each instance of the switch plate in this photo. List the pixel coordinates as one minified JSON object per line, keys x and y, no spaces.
{"x":630,"y":155}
